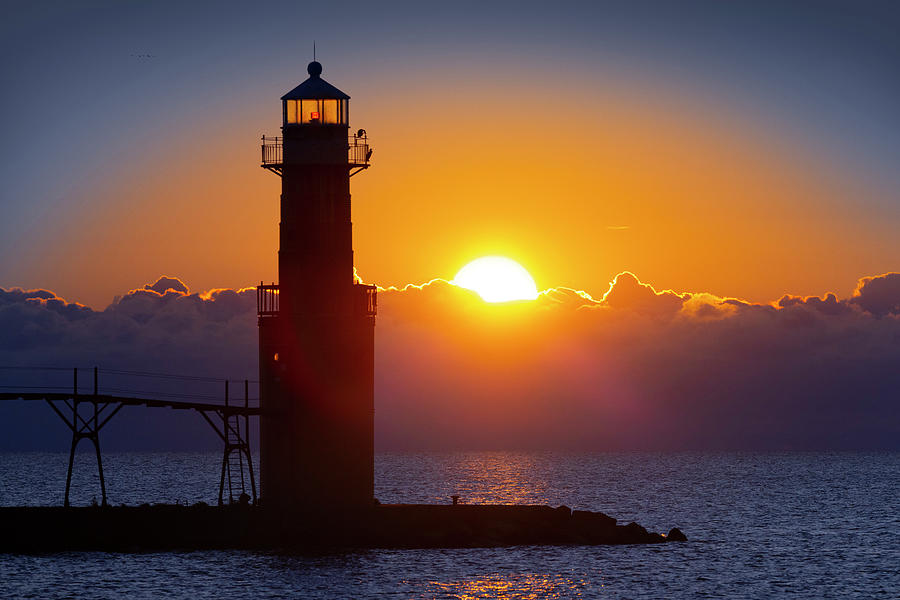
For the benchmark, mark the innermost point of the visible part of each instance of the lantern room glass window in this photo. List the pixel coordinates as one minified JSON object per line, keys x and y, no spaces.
{"x":316,"y":112}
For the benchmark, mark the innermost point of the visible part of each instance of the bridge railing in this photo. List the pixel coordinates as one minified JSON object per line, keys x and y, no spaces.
{"x":86,"y":382}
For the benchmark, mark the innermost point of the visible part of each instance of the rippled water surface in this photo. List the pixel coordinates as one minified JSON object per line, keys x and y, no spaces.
{"x":760,"y":526}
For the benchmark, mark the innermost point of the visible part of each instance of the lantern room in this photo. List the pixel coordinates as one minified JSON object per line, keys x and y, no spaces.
{"x":315,"y":102}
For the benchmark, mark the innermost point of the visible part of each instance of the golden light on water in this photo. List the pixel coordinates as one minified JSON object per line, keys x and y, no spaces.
{"x":497,"y":279}
{"x":524,"y":586}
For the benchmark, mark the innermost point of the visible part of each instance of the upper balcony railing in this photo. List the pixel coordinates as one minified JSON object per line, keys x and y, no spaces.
{"x":271,"y":151}
{"x":358,"y":152}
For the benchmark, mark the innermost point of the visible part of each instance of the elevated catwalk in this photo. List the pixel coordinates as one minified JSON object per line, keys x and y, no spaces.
{"x":85,"y":411}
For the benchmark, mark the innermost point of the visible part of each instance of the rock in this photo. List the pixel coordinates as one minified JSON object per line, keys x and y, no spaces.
{"x":635,"y":534}
{"x":676,"y":535}
{"x":564,"y":510}
{"x":596,"y":518}
{"x":635,"y":528}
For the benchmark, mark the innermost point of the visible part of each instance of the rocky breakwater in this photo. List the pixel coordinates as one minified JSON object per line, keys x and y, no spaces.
{"x":443,"y":526}
{"x":162,"y":527}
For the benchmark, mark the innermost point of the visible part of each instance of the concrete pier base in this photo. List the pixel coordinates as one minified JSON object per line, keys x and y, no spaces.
{"x":165,"y":527}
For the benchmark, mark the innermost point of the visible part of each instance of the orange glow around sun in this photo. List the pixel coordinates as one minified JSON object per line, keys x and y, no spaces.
{"x":671,"y":189}
{"x":497,"y":279}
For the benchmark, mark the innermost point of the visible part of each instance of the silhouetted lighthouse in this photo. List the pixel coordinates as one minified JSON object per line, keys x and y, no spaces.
{"x":316,"y":327}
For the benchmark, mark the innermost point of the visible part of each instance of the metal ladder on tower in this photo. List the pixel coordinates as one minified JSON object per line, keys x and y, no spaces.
{"x":237,"y":464}
{"x":236,"y":483}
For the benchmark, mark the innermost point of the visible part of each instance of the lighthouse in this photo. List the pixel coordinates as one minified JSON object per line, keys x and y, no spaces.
{"x":317,"y":324}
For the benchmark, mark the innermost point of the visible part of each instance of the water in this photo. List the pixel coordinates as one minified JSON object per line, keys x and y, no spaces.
{"x":760,"y":526}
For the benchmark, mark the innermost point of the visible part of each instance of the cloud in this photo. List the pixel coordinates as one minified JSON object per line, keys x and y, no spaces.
{"x":635,"y":369}
{"x":879,"y":295}
{"x":627,"y":292}
{"x":164,"y":284}
{"x":828,"y":305}
{"x":638,"y":369}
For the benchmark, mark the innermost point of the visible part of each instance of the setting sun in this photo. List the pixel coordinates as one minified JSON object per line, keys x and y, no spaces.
{"x":497,"y":279}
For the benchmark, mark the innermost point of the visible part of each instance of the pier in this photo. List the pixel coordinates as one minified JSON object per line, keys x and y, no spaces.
{"x":87,"y":409}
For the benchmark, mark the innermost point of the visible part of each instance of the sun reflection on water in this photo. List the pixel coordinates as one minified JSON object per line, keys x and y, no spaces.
{"x":497,"y":478}
{"x":524,"y":586}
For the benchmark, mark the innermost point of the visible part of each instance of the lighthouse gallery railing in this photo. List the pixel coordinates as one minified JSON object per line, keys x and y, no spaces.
{"x":365,"y":300}
{"x":358,"y":151}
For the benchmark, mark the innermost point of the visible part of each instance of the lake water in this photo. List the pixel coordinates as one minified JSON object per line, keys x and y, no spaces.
{"x":761,"y":525}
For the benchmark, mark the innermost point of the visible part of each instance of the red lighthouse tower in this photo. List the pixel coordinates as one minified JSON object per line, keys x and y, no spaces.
{"x":316,"y":326}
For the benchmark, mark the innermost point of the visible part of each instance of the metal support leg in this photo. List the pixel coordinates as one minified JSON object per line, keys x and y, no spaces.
{"x":222,"y":480}
{"x":96,"y":441}
{"x":250,"y":468}
{"x":71,"y":463}
{"x":85,"y":428}
{"x":247,"y":439}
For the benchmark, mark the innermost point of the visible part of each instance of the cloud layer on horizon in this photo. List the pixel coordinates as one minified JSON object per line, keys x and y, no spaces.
{"x":638,"y":369}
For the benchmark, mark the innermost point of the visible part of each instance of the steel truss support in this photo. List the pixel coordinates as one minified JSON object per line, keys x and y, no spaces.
{"x":85,"y":427}
{"x":235,"y":436}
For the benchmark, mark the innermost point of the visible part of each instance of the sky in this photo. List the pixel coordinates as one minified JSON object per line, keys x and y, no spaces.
{"x":741,"y":155}
{"x":746,"y":149}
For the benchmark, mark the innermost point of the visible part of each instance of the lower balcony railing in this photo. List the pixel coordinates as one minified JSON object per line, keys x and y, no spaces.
{"x":366,"y":299}
{"x":268,"y":301}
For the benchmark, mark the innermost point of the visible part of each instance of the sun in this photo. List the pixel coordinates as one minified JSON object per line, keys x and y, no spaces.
{"x":497,"y":279}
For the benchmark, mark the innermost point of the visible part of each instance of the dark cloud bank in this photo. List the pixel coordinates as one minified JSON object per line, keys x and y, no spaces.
{"x":636,"y":370}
